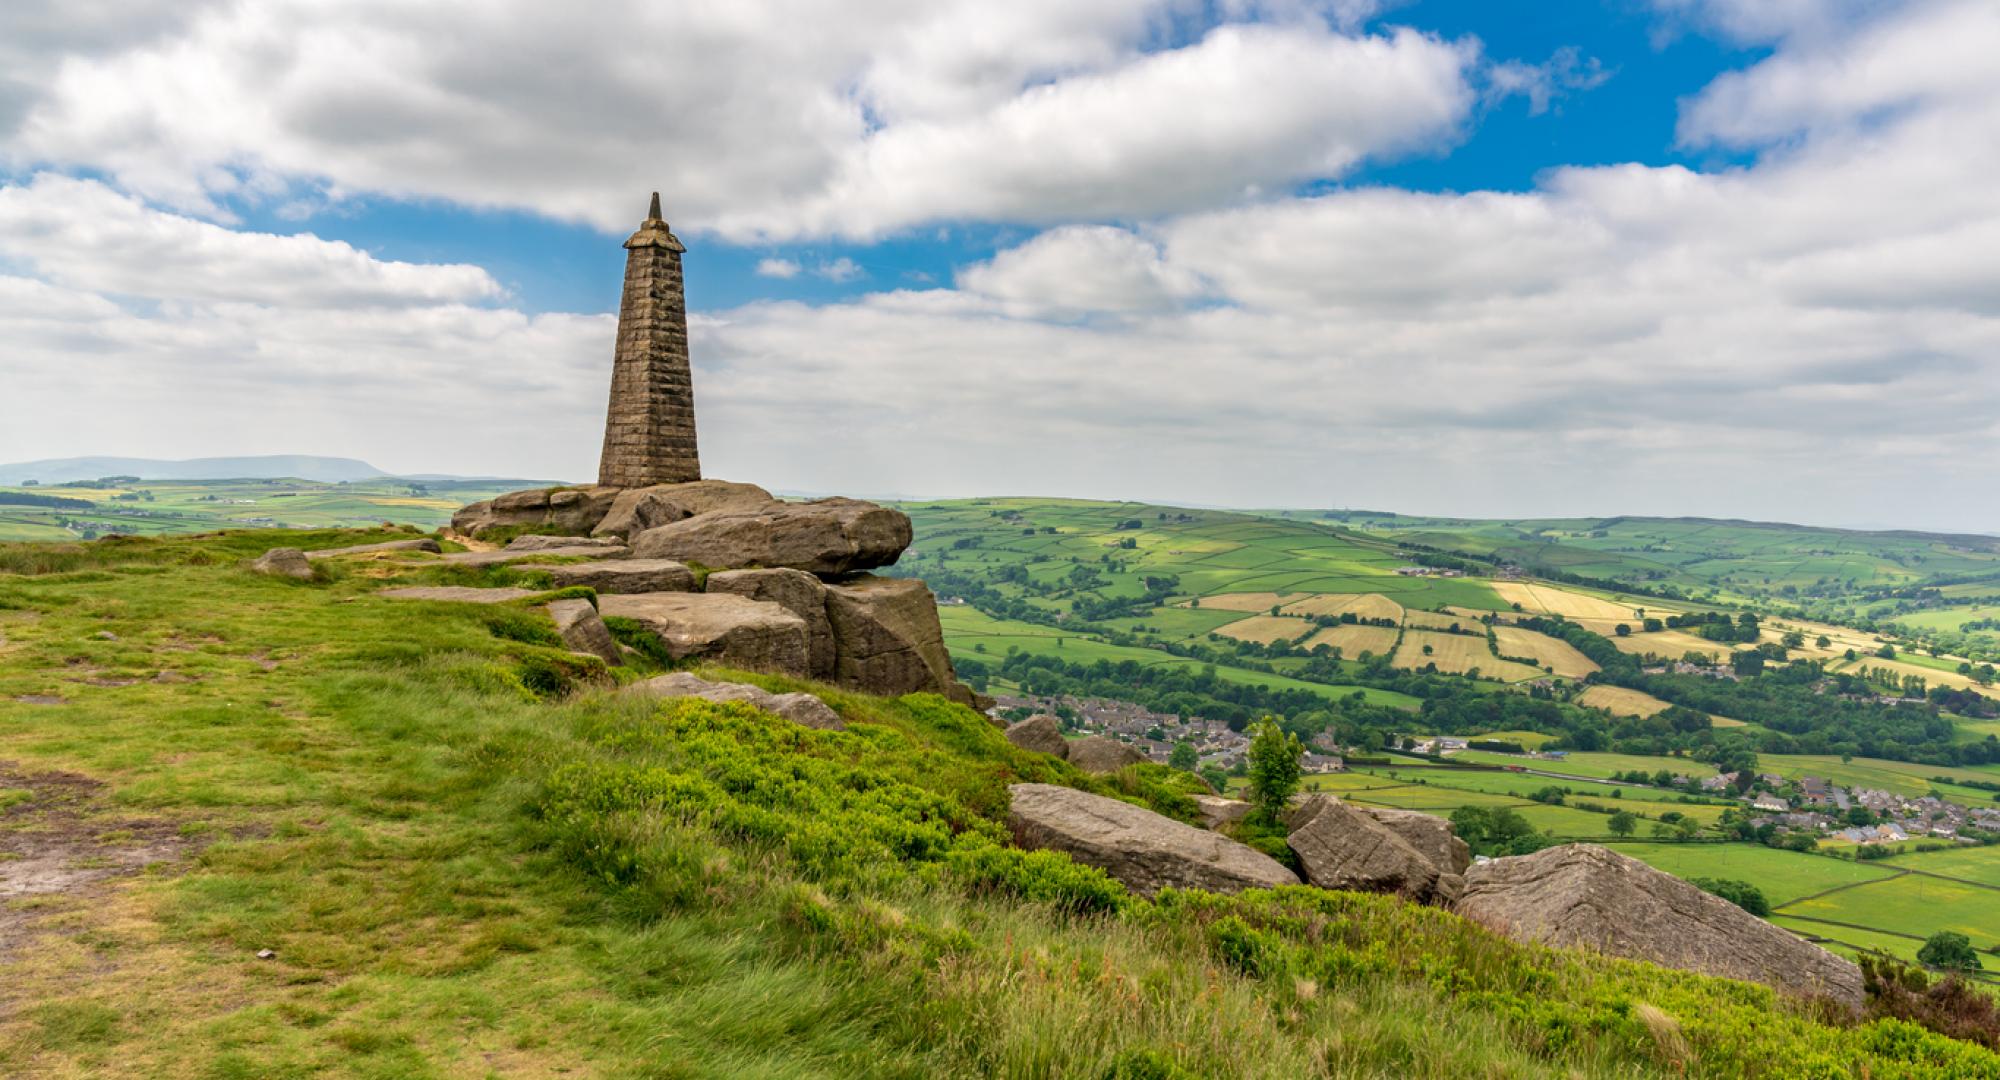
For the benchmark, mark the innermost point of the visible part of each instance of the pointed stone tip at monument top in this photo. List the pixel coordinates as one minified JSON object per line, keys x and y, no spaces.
{"x":653,"y":213}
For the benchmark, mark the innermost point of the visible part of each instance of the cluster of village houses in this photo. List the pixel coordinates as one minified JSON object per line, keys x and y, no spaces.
{"x":1811,"y":804}
{"x":1155,"y":734}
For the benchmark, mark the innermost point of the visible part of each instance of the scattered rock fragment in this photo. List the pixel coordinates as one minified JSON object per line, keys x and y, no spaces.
{"x":583,"y":631}
{"x":284,"y":562}
{"x":800,"y":708}
{"x":1217,"y":811}
{"x":1039,"y":733}
{"x":1144,"y":850}
{"x":1102,"y":754}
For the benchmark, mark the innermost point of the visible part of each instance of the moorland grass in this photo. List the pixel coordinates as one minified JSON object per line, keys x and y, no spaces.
{"x":459,"y":872}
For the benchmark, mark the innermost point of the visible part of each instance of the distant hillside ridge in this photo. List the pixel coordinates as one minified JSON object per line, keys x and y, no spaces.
{"x":262,"y":467}
{"x":1984,"y":541}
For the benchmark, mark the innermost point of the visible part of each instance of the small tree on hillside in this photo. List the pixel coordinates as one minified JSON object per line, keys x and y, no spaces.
{"x":1622,"y":823}
{"x":1184,"y":757}
{"x":1275,"y":768}
{"x":1948,"y":950}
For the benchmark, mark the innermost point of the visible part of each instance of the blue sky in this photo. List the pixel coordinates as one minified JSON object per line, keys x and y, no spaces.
{"x":1648,"y":65}
{"x":1715,"y":257}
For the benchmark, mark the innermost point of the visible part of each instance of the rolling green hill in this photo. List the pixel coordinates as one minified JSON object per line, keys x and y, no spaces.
{"x":167,"y":507}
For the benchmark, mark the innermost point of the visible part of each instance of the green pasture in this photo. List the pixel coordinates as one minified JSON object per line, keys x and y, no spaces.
{"x":1915,"y":904}
{"x":1977,"y":864}
{"x":190,"y":506}
{"x":1592,"y":765}
{"x":1784,"y":876}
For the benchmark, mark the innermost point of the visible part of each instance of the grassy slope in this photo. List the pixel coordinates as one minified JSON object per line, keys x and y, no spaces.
{"x":460,"y":877}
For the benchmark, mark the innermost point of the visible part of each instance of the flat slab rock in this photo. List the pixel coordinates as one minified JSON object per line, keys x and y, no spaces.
{"x":800,"y":708}
{"x":422,"y":543}
{"x":727,"y":629}
{"x":538,"y":542}
{"x":1142,"y":849}
{"x":506,"y":555}
{"x":826,"y":536}
{"x":796,"y":591}
{"x":463,"y":594}
{"x":1590,"y":896}
{"x":623,"y":575}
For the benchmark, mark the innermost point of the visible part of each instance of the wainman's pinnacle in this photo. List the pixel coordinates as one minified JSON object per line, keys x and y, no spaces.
{"x":649,"y":435}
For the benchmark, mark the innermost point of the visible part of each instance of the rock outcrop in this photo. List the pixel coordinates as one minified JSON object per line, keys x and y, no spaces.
{"x":1144,"y":850}
{"x":570,"y":510}
{"x":727,"y":629}
{"x":1041,"y":734}
{"x":796,"y":591}
{"x":622,"y":575}
{"x":1429,"y":834}
{"x":284,"y":562}
{"x":1102,"y":754}
{"x":1591,"y":896}
{"x":826,"y":536}
{"x":583,"y":631}
{"x":887,"y":639}
{"x":638,"y":509}
{"x":422,"y":543}
{"x":1342,"y":848}
{"x":802,"y":709}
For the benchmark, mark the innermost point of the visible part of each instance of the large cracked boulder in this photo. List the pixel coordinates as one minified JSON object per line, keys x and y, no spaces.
{"x":826,"y":536}
{"x":1590,"y":896}
{"x":637,"y":509}
{"x":802,"y":709}
{"x":1041,"y":734}
{"x":623,"y":575}
{"x":731,"y":630}
{"x":887,"y":640}
{"x":583,"y":631}
{"x":284,"y":562}
{"x":574,"y":510}
{"x":1102,"y":754}
{"x":1342,"y":848}
{"x":1144,"y":850}
{"x":1429,"y":834}
{"x":796,"y":591}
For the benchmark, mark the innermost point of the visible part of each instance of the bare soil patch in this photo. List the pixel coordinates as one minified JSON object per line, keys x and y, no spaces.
{"x":57,"y":843}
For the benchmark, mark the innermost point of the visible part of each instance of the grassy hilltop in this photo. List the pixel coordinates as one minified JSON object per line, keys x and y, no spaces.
{"x":417,"y":840}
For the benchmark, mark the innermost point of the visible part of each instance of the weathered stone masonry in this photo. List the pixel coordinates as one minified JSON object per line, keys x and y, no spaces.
{"x":649,"y":435}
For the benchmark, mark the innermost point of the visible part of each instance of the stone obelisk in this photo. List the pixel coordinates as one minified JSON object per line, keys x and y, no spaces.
{"x":649,"y":432}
